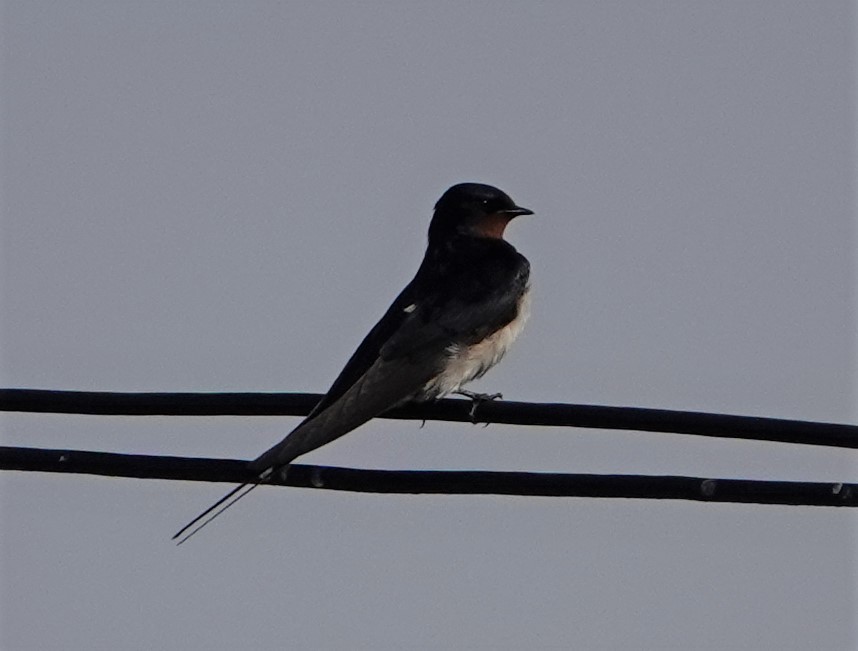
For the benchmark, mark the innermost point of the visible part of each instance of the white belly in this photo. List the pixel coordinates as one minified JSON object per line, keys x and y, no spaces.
{"x":468,"y":363}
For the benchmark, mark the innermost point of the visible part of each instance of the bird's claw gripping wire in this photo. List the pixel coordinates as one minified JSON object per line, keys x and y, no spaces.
{"x":477,"y":399}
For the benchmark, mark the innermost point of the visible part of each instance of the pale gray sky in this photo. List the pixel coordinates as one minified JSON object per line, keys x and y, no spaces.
{"x":208,"y":196}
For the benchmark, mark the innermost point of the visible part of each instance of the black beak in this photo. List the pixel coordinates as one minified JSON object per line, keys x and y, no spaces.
{"x":515,"y":212}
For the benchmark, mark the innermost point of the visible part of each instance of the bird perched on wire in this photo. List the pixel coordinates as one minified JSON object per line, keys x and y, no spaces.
{"x":454,"y":321}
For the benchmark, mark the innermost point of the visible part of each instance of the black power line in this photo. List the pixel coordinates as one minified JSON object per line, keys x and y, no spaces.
{"x":512,"y":413}
{"x":437,"y":482}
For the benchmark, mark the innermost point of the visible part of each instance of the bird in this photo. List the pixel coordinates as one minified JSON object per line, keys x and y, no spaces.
{"x":467,"y":303}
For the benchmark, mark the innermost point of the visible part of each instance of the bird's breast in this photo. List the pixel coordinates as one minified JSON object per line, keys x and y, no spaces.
{"x":466,"y":363}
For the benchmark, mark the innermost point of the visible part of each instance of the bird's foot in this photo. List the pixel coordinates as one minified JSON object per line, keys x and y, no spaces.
{"x":274,"y":474}
{"x":477,"y":399}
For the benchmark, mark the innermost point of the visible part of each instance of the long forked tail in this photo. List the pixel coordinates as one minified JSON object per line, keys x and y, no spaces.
{"x":215,"y":510}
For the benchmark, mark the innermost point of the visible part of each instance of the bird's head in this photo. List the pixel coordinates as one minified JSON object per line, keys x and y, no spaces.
{"x":473,"y":209}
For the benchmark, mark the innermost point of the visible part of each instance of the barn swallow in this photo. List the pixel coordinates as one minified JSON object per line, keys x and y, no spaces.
{"x":455,"y":320}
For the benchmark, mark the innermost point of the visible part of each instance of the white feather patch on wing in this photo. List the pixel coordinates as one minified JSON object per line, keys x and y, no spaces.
{"x":470,"y":362}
